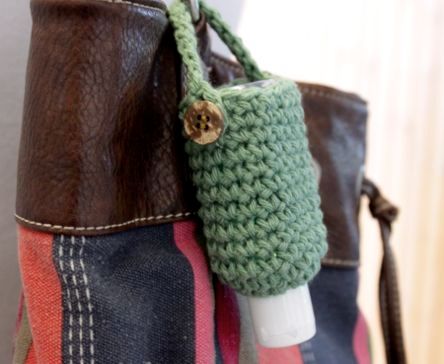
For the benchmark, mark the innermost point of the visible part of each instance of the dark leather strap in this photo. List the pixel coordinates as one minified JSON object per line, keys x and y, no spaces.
{"x":389,"y":301}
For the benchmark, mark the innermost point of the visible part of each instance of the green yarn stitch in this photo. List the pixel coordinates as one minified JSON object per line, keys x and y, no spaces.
{"x":256,"y":185}
{"x":197,"y":87}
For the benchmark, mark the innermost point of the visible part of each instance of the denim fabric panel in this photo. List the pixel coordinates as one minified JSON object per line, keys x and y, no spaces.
{"x":334,"y":293}
{"x":127,"y":298}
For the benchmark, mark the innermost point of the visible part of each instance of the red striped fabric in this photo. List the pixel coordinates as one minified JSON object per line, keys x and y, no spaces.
{"x":361,"y":341}
{"x":185,"y":238}
{"x":42,"y":291}
{"x":287,"y":355}
{"x":228,"y":323}
{"x":31,"y":358}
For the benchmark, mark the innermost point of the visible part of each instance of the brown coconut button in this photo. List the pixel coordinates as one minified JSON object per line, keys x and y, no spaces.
{"x":204,"y":122}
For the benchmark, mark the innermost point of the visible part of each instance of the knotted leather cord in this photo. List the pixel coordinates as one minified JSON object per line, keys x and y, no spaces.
{"x":389,"y":301}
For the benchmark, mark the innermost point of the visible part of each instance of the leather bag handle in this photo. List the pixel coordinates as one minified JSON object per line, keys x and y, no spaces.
{"x":389,"y":301}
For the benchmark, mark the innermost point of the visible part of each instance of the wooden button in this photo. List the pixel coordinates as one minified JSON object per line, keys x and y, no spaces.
{"x":203,"y":122}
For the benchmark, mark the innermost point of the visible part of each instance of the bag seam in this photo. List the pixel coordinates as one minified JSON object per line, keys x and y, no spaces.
{"x":304,"y":89}
{"x":328,"y":261}
{"x":341,"y":262}
{"x":90,"y":324}
{"x":330,"y":95}
{"x":105,"y":227}
{"x":125,"y":2}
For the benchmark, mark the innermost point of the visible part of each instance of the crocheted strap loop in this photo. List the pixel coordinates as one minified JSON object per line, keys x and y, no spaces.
{"x":197,"y":87}
{"x":248,"y":151}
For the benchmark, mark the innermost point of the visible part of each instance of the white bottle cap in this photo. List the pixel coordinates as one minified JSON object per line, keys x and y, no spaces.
{"x":283,"y":320}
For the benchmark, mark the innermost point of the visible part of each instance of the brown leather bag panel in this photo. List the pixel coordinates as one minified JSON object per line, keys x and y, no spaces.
{"x":337,"y":129}
{"x":102,"y":149}
{"x":101,"y":142}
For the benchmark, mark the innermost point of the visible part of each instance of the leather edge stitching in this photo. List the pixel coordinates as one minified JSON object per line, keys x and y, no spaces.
{"x":341,"y":262}
{"x":331,"y":95}
{"x":106,"y":227}
{"x":325,"y":261}
{"x":125,"y":2}
{"x":304,"y":89}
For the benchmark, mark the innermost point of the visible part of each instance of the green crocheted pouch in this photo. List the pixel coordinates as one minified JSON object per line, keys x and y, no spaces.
{"x":248,"y":151}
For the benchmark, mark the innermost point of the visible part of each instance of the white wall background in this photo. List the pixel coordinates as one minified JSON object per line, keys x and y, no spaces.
{"x":392,"y":54}
{"x":14,"y":39}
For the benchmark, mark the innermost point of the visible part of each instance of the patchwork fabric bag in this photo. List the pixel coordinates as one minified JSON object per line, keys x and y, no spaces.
{"x":113,"y":255}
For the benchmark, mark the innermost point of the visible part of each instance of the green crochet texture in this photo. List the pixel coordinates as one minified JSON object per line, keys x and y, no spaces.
{"x":256,"y":185}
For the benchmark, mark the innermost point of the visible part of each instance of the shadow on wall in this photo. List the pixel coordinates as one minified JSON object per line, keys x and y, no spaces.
{"x":232,"y":13}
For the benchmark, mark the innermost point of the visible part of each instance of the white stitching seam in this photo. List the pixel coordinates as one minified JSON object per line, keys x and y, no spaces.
{"x":107,"y":227}
{"x":330,"y":95}
{"x":79,"y":303}
{"x":68,"y":296}
{"x":88,"y":301}
{"x":328,"y":261}
{"x":124,"y":2}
